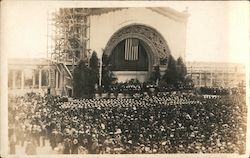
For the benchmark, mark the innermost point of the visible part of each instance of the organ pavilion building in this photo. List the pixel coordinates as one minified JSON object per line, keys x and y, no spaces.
{"x":134,"y":39}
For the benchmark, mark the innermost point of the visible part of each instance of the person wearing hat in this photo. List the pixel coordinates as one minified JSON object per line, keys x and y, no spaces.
{"x":66,"y":133}
{"x":81,"y":135}
{"x":59,"y":137}
{"x":43,"y":133}
{"x":94,"y":149}
{"x":67,"y":146}
{"x":53,"y":139}
{"x":74,"y":146}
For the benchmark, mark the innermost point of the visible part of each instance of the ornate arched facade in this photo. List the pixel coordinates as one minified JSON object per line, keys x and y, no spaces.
{"x":156,"y":46}
{"x":161,"y":31}
{"x":155,"y":43}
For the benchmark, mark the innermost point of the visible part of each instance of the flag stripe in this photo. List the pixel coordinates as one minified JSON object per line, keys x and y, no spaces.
{"x":131,"y":49}
{"x":133,"y":53}
{"x":135,"y":50}
{"x":126,"y":49}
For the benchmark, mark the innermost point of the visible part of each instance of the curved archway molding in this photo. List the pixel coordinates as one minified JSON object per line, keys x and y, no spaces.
{"x":155,"y":41}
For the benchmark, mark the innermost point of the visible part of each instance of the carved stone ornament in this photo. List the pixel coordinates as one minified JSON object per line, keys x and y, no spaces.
{"x":157,"y":44}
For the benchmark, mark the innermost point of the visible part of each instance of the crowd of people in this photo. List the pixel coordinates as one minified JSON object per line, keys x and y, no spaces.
{"x":134,"y":86}
{"x":168,"y":122}
{"x":214,"y":90}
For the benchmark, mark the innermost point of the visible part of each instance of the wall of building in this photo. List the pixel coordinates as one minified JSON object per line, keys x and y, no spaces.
{"x":30,"y":75}
{"x":103,"y":26}
{"x":23,"y":79}
{"x":37,"y":75}
{"x":124,"y":76}
{"x":215,"y":74}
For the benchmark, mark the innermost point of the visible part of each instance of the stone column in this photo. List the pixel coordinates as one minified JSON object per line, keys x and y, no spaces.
{"x":40,"y":79}
{"x":14,"y":79}
{"x":22,"y":80}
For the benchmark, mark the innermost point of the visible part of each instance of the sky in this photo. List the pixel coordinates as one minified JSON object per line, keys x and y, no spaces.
{"x":216,"y":31}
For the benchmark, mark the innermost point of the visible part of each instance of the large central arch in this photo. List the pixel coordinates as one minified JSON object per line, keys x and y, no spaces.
{"x":157,"y":48}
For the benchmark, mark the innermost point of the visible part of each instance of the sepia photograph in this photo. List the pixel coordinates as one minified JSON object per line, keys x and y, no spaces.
{"x":123,"y":78}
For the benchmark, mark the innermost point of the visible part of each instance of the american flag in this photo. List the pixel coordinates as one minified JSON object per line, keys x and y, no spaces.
{"x":131,"y":49}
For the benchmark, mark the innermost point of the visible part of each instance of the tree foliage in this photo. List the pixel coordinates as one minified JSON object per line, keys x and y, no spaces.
{"x":93,"y":64}
{"x":181,"y":69}
{"x":84,"y":81}
{"x":155,"y":74}
{"x":176,"y":73}
{"x":105,"y":60}
{"x":171,"y":75}
{"x":108,"y":76}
